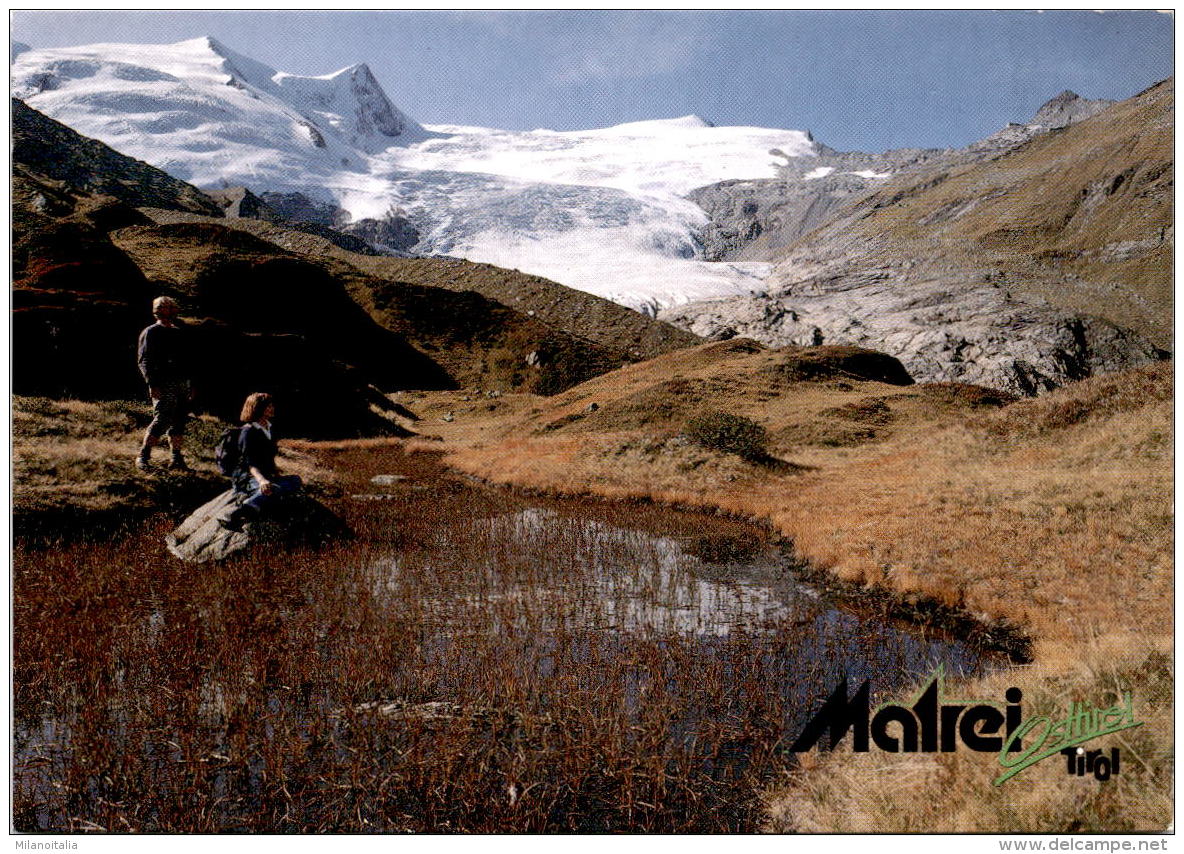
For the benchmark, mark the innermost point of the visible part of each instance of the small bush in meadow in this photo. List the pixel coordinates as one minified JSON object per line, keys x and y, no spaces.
{"x":731,"y":434}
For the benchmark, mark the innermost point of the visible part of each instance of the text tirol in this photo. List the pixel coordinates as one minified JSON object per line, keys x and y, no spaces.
{"x":927,"y":726}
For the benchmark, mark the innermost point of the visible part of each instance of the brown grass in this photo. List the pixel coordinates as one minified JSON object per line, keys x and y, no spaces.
{"x":73,"y":467}
{"x":1053,"y":515}
{"x":459,"y":667}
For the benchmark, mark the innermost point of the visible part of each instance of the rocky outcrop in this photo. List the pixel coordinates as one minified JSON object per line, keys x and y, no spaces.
{"x":239,"y":202}
{"x":296,"y":212}
{"x":1066,"y":109}
{"x":940,"y":330}
{"x":751,"y":220}
{"x":296,"y":520}
{"x":299,"y":207}
{"x":393,"y":234}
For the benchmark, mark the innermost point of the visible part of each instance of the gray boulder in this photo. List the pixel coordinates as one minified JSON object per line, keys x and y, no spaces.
{"x":297,"y":520}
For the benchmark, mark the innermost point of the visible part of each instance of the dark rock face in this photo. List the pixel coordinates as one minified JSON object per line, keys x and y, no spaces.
{"x":320,"y":397}
{"x":54,"y":150}
{"x":74,"y":314}
{"x":392,"y":234}
{"x":297,"y":207}
{"x":239,"y":202}
{"x":297,"y":520}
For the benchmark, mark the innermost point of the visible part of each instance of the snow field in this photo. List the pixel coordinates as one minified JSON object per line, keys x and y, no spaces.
{"x":599,"y":210}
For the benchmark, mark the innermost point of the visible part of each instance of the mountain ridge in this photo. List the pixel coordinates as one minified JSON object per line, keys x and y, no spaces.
{"x":1022,"y":270}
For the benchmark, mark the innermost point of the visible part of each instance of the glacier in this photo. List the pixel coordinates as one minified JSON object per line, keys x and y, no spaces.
{"x":601,"y":210}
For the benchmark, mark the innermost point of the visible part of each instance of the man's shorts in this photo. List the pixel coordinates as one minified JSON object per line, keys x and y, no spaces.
{"x":170,"y":411}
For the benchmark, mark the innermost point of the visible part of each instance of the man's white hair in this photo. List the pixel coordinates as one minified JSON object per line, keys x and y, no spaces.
{"x":160,"y":302}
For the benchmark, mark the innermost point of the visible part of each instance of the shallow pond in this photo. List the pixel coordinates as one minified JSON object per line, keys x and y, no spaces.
{"x":473,"y":661}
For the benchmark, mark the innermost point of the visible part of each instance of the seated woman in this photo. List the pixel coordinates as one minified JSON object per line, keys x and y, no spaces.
{"x":256,"y":476}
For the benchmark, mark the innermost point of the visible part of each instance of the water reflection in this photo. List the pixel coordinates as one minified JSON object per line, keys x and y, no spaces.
{"x":561,"y":582}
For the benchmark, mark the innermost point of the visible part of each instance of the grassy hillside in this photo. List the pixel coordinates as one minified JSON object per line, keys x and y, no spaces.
{"x":575,"y":313}
{"x":1080,"y":217}
{"x":922,"y":489}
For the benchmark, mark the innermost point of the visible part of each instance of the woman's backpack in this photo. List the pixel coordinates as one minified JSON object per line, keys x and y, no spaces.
{"x":226,"y":452}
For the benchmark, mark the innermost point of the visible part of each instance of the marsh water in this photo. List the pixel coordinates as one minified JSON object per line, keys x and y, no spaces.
{"x":473,"y":661}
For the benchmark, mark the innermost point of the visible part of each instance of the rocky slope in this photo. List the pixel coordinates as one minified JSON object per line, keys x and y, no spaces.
{"x":49,"y":148}
{"x":1019,"y":270}
{"x":751,"y":220}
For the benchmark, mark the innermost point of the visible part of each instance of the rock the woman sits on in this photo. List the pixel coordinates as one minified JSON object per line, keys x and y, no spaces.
{"x":256,"y":475}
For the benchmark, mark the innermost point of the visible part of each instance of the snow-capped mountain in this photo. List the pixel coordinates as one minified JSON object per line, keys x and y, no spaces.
{"x":205,"y":113}
{"x":600,"y":210}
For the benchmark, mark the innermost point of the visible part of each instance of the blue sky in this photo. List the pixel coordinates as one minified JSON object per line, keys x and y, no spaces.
{"x":866,"y":80}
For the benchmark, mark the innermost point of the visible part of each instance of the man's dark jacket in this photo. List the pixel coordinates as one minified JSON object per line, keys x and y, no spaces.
{"x":163,"y":355}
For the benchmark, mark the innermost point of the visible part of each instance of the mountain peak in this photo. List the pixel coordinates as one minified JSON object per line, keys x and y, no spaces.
{"x":1066,"y":108}
{"x":1066,"y":97}
{"x":200,"y":45}
{"x":358,"y":69}
{"x":248,"y":106}
{"x":352,"y":102}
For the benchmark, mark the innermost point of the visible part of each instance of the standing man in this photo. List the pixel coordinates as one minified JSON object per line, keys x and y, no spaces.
{"x":164,"y":360}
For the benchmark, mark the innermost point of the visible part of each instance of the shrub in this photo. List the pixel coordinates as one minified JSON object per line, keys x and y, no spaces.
{"x":731,"y":434}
